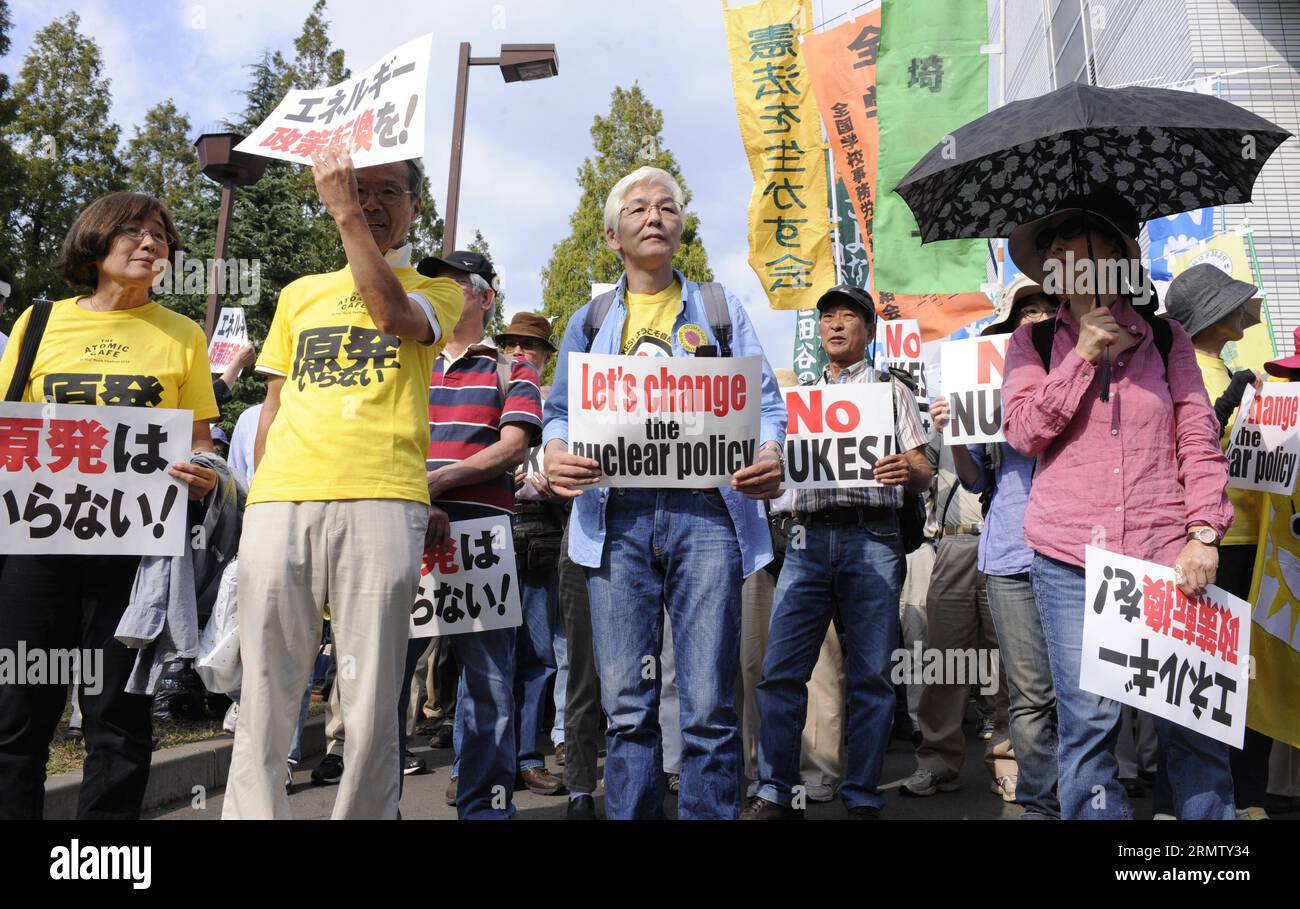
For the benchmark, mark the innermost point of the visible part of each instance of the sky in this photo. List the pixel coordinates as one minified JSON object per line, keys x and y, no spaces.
{"x":524,"y":141}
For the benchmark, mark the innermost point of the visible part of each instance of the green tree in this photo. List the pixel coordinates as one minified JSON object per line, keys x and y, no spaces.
{"x":67,"y":144}
{"x":160,"y":159}
{"x":497,"y":323}
{"x":10,"y":167}
{"x":628,"y":137}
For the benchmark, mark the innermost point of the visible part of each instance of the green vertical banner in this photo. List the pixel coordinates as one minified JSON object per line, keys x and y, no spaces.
{"x":931,"y":79}
{"x":854,"y":267}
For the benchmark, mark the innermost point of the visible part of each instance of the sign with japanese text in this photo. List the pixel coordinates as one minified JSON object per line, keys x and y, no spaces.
{"x":469,"y":584}
{"x":1147,"y":645}
{"x":77,"y":479}
{"x":789,"y":224}
{"x":665,"y":421}
{"x":836,"y":433}
{"x":972,"y":379}
{"x":228,"y":337}
{"x":376,"y":116}
{"x":809,"y":358}
{"x":1264,"y":447}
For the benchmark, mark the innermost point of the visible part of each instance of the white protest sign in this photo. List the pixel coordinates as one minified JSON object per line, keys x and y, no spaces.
{"x":1147,"y":645}
{"x":665,"y":421}
{"x":1264,"y":447}
{"x":377,"y":116}
{"x":469,"y":584}
{"x":76,"y":479}
{"x":899,"y":346}
{"x":230,"y":334}
{"x":836,"y":433}
{"x":972,"y":380}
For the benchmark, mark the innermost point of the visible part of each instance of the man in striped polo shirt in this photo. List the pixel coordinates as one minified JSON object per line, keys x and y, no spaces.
{"x":477,"y":437}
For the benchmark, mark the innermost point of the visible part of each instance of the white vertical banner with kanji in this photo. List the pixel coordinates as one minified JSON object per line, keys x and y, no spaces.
{"x":377,"y":116}
{"x":76,"y":479}
{"x":470,"y":583}
{"x":1147,"y":645}
{"x":231,"y":333}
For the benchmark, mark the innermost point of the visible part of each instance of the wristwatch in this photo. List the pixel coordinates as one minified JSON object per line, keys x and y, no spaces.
{"x":1204,"y":535}
{"x":780,"y":452}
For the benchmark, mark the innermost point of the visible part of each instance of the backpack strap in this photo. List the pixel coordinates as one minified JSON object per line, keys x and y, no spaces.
{"x":596,"y":312}
{"x":715,"y":307}
{"x":1044,"y":333}
{"x":35,"y":330}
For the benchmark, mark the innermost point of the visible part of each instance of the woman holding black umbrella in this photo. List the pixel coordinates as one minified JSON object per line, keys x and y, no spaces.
{"x":1140,"y":473}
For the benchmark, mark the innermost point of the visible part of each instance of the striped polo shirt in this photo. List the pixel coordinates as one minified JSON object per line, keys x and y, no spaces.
{"x":466,"y":414}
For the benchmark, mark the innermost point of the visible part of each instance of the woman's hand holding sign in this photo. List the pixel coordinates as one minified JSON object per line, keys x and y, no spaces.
{"x":568,"y":474}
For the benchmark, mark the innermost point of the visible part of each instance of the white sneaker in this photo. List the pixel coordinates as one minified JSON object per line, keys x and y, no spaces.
{"x":1163,"y":817}
{"x":231,"y":719}
{"x":1005,"y":786}
{"x":819,"y":792}
{"x":925,"y":783}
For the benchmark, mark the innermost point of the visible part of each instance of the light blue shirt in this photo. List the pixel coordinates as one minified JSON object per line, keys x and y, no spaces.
{"x":587,"y":523}
{"x":242,"y":441}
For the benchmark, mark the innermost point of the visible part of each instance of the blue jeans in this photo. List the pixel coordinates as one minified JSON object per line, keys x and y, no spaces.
{"x":859,"y":569}
{"x":484,"y":728}
{"x":673,"y":549}
{"x":535,"y":664}
{"x":1088,"y":724}
{"x":1029,"y":686}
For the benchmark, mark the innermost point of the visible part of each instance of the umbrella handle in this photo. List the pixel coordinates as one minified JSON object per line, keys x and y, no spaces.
{"x":1105,"y":375}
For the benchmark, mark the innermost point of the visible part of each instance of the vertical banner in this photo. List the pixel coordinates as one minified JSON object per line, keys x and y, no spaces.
{"x":1275,"y":632}
{"x":789,"y":225}
{"x":1264,"y":447}
{"x":836,"y":433}
{"x":932,"y":79}
{"x":1228,"y":253}
{"x":77,"y":479}
{"x":230,"y":334}
{"x":972,"y":380}
{"x":1147,"y":645}
{"x":809,"y":358}
{"x":469,"y":584}
{"x":842,"y":70}
{"x":376,"y":116}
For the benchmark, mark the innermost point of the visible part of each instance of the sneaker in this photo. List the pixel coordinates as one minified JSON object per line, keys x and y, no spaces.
{"x":1253,"y":813}
{"x":231,"y":718}
{"x":986,"y":727}
{"x":450,"y":795}
{"x":1005,"y":786}
{"x":819,"y":792}
{"x":328,"y":771}
{"x":413,"y":766}
{"x":673,"y":781}
{"x":1161,"y":816}
{"x":760,"y":809}
{"x":924,"y":783}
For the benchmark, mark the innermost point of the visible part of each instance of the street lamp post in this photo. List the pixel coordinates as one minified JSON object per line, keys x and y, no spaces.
{"x":518,"y":63}
{"x":219,"y":162}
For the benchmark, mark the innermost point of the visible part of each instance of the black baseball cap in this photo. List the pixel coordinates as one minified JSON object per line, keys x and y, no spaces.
{"x":461,"y":260}
{"x":847,"y":293}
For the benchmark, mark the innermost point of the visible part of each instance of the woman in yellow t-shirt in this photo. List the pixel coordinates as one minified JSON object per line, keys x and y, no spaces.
{"x":114,"y":347}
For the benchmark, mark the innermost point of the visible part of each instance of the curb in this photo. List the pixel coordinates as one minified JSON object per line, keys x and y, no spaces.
{"x":175,"y":772}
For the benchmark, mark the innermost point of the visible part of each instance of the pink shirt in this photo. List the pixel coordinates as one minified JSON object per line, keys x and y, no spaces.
{"x":1129,"y":475}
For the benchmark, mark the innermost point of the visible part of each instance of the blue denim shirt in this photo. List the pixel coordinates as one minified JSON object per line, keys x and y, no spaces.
{"x":1003,"y":550}
{"x":587,"y":523}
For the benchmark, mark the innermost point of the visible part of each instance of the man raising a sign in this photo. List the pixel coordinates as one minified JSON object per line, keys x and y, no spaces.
{"x":339,"y":504}
{"x":845,"y":552}
{"x":648,"y":549}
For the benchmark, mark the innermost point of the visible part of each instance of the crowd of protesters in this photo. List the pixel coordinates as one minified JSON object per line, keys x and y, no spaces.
{"x":661,"y":615}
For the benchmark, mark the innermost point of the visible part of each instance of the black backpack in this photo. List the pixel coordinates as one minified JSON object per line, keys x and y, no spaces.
{"x":715,"y":306}
{"x":1044,"y":333}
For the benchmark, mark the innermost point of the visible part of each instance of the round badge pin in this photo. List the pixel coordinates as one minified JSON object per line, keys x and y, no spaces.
{"x":691,"y":336}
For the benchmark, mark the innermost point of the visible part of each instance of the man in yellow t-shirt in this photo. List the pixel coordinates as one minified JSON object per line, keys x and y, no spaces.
{"x":338,"y":507}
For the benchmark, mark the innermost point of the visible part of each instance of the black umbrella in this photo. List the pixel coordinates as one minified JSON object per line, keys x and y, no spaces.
{"x":1164,"y":151}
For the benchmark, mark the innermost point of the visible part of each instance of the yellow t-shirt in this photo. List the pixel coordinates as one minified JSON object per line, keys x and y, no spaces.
{"x":1247,"y":504}
{"x":353,"y":421}
{"x":148,"y":356}
{"x":648,"y":331}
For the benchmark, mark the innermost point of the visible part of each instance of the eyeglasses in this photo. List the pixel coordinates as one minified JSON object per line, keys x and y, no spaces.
{"x":525,"y":343}
{"x":387,"y":195}
{"x":137,"y":233}
{"x":1072,"y":227}
{"x":637,"y":212}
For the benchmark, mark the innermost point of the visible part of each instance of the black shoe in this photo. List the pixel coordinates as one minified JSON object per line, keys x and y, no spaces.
{"x":441,"y":737}
{"x":328,"y":771}
{"x":864,"y":813}
{"x":581,"y":808}
{"x":413,"y":766}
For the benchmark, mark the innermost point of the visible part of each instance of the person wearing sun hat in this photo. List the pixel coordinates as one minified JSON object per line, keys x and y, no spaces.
{"x":1140,"y":473}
